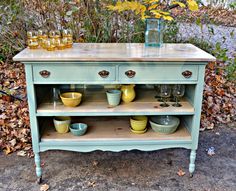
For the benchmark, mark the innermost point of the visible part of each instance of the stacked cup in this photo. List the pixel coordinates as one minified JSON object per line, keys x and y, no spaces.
{"x":113,"y":97}
{"x":54,"y":41}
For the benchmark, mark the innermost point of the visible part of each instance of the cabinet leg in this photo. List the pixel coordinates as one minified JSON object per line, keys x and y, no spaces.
{"x":192,"y":162}
{"x":38,"y":167}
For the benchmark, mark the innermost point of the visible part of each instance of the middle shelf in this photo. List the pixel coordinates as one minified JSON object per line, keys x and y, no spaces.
{"x":95,"y":103}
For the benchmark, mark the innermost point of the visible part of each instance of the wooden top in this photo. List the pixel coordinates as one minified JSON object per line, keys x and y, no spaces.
{"x":132,"y":52}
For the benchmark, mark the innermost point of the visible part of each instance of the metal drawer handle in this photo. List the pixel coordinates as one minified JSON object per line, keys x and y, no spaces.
{"x":130,"y":73}
{"x":44,"y":73}
{"x":187,"y":74}
{"x":104,"y":73}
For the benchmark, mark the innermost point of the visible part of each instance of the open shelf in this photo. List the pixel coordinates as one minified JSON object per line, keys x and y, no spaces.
{"x":111,"y":129}
{"x":95,"y":103}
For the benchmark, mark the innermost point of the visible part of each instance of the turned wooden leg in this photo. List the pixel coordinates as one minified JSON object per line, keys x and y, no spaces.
{"x":38,"y":167}
{"x":192,"y":162}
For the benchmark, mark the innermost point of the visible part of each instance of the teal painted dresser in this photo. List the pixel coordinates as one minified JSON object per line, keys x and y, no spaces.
{"x":107,"y":65}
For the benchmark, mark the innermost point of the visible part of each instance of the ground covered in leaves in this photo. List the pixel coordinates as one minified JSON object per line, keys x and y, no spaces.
{"x":164,"y":170}
{"x":218,"y":105}
{"x":14,"y":115}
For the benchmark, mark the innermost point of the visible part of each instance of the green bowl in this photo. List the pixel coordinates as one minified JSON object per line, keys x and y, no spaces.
{"x":78,"y":129}
{"x":164,"y":124}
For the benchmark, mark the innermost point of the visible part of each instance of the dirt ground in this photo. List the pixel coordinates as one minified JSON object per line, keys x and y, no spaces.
{"x":131,"y":171}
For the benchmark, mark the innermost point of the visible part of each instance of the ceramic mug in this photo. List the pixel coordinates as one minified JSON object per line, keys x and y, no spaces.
{"x":62,"y":124}
{"x":113,"y":97}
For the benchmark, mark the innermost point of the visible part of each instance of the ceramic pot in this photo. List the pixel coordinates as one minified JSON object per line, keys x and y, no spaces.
{"x":128,"y":93}
{"x":62,"y":124}
{"x":113,"y":97}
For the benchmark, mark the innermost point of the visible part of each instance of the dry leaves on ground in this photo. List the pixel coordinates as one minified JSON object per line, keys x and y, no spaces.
{"x":219,"y":97}
{"x":14,"y":116}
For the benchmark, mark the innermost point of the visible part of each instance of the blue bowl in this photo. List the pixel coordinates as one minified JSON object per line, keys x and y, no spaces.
{"x":78,"y":129}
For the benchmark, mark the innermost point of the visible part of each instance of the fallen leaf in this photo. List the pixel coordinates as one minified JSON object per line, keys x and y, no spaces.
{"x":95,"y":163}
{"x":210,"y":151}
{"x":92,"y":184}
{"x":21,"y":153}
{"x":8,"y":150}
{"x":180,"y":172}
{"x":13,"y":142}
{"x":44,"y":187}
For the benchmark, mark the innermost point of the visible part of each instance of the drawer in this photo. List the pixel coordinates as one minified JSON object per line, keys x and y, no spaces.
{"x":157,"y":73}
{"x":61,"y":73}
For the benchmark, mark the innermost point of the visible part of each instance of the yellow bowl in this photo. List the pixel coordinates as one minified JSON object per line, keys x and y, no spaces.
{"x":138,"y":123}
{"x":71,"y":99}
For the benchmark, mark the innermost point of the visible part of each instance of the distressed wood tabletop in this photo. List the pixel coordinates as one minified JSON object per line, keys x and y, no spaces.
{"x":130,"y":52}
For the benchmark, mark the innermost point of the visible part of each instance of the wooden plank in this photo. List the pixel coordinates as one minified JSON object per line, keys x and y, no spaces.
{"x":95,"y":103}
{"x":110,"y":129}
{"x":135,"y":52}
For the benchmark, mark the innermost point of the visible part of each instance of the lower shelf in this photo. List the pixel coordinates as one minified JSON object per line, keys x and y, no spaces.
{"x":112,"y":133}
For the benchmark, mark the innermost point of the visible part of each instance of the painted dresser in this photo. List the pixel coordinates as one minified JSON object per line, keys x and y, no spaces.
{"x":105,"y":65}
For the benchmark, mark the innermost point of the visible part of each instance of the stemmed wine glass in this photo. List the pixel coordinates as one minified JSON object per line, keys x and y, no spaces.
{"x":157,"y":88}
{"x":178,"y":92}
{"x":165,"y":92}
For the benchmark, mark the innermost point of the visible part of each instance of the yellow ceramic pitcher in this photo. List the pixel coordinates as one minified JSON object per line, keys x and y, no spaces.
{"x":128,"y":93}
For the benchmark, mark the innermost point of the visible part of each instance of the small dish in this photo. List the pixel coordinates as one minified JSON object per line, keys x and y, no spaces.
{"x":78,"y":129}
{"x":71,"y":99}
{"x":138,"y":132}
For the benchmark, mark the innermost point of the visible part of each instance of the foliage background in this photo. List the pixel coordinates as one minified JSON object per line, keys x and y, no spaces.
{"x":92,"y":22}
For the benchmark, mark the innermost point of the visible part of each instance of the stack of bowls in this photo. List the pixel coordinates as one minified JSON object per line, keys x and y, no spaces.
{"x":71,"y":99}
{"x":164,"y":124}
{"x":138,"y":124}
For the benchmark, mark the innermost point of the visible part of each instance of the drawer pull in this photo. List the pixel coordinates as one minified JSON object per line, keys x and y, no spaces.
{"x":187,"y":74}
{"x":104,"y":73}
{"x":130,"y":73}
{"x":44,"y":73}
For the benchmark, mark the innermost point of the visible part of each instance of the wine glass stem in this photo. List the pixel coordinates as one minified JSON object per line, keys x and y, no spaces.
{"x":165,"y":101}
{"x":176,"y":101}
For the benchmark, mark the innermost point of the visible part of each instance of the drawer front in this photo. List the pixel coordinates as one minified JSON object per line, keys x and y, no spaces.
{"x":52,"y":73}
{"x":160,"y":73}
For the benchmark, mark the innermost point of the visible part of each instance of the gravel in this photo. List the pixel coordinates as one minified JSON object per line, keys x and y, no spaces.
{"x":131,"y":171}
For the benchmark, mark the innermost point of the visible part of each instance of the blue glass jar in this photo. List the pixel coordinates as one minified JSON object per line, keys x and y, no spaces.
{"x":154,"y":32}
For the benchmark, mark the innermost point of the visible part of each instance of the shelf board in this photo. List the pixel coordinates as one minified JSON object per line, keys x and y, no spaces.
{"x":105,"y":129}
{"x":95,"y":103}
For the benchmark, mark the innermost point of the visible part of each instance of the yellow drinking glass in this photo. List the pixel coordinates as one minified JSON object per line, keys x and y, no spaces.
{"x":55,"y":34}
{"x":50,"y":45}
{"x":68,"y":41}
{"x":42,"y":37}
{"x":33,"y":44}
{"x":60,"y":44}
{"x":32,"y":34}
{"x":32,"y":39}
{"x":67,"y":33}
